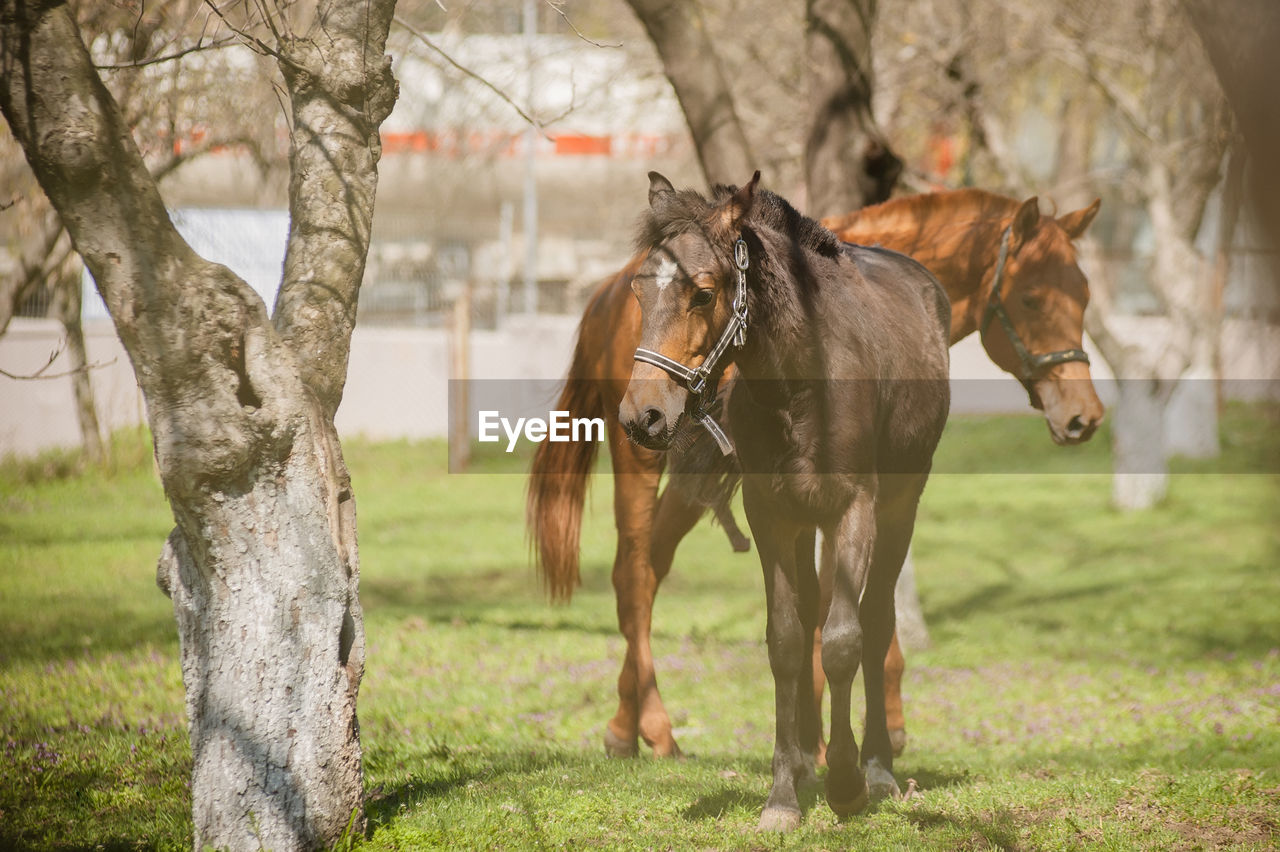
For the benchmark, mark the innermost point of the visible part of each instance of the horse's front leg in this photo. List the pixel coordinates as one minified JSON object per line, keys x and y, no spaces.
{"x":640,"y":709}
{"x":842,"y":647}
{"x":785,"y":633}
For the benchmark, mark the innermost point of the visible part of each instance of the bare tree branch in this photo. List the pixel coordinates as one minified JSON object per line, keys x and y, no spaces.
{"x":169,"y":57}
{"x":420,"y":36}
{"x":40,"y":374}
{"x":555,"y":5}
{"x":250,"y":41}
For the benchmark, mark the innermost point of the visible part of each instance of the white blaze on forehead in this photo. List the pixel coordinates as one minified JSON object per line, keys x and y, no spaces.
{"x":666,"y":273}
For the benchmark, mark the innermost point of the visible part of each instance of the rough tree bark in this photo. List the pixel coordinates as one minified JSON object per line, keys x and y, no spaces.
{"x":262,"y":565}
{"x":847,"y":162}
{"x":66,"y":306}
{"x":690,"y":63}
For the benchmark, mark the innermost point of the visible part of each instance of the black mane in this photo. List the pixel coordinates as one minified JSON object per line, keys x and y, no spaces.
{"x":775,"y":212}
{"x":688,"y":210}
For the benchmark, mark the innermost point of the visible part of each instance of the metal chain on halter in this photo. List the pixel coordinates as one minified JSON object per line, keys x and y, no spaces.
{"x":706,"y":398}
{"x":742,"y":260}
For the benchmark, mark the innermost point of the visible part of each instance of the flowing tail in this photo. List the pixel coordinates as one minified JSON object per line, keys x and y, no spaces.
{"x":558,"y":485}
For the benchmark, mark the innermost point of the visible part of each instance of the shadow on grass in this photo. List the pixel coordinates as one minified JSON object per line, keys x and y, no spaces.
{"x":82,"y":631}
{"x":930,"y":779}
{"x":383,"y":804}
{"x":713,"y":805}
{"x":997,"y":828}
{"x":60,"y":809}
{"x":487,"y":598}
{"x":456,"y":770}
{"x":110,"y":844}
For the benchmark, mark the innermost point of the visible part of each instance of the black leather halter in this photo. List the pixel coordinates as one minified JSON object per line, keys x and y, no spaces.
{"x":1030,"y":365}
{"x":696,"y":379}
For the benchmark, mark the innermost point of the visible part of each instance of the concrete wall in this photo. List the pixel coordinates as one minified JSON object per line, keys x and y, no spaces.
{"x":398,"y":387}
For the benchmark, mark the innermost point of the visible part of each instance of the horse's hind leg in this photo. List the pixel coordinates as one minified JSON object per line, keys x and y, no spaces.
{"x":895,"y":520}
{"x":894,"y":665}
{"x":724,"y":515}
{"x":676,"y":516}
{"x":842,"y":649}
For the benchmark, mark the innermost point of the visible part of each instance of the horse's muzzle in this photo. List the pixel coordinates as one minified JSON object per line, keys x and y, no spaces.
{"x":650,"y":429}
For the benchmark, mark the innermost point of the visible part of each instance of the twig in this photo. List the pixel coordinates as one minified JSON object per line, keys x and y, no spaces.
{"x":556,"y":6}
{"x":97,"y":365}
{"x":213,"y":45}
{"x":53,"y":356}
{"x":472,"y":74}
{"x":251,"y":39}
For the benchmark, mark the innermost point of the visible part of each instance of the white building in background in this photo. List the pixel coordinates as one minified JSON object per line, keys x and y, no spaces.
{"x":251,"y":243}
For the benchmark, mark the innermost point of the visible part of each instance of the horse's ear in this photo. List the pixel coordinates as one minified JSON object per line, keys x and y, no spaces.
{"x":658,"y":187}
{"x":1077,"y":222}
{"x":1026,"y":219}
{"x":740,"y":204}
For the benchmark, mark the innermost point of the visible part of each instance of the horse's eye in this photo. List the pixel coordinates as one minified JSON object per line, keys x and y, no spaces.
{"x":702,"y":297}
{"x":1032,"y":301}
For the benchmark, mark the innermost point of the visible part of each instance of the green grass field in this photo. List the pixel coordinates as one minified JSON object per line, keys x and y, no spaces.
{"x":1096,"y":680}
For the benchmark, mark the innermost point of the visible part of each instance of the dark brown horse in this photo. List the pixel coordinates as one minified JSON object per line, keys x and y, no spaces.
{"x":841,"y":396}
{"x":958,"y":236}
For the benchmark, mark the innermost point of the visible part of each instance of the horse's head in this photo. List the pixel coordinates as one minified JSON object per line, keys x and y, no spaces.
{"x":686,"y":287}
{"x":1032,"y":323}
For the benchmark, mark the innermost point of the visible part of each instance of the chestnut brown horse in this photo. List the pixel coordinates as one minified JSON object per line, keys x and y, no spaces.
{"x":840,"y":398}
{"x":958,"y":236}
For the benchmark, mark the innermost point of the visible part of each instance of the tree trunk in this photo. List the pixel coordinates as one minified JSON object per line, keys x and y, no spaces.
{"x":1191,"y":417}
{"x":1140,"y":468}
{"x":272,"y":642}
{"x":262,"y":566}
{"x":1184,"y":283}
{"x":1242,"y":39}
{"x":67,"y":301}
{"x":847,"y":162}
{"x":691,"y":65}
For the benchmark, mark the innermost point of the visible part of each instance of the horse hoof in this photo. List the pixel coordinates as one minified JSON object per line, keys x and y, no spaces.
{"x":616,"y":746}
{"x":671,"y":752}
{"x":741,"y":545}
{"x":846,"y":799}
{"x":848,"y":808}
{"x":898,"y":740}
{"x":880,"y":782}
{"x":779,"y":820}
